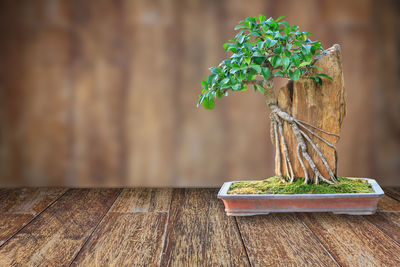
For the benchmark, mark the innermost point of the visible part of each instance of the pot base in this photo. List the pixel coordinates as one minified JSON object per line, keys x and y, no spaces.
{"x":351,"y":203}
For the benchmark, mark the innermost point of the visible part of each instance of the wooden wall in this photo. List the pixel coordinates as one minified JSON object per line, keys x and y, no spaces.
{"x":104,"y":93}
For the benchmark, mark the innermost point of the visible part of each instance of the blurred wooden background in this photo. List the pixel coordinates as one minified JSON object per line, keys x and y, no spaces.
{"x":103,"y":93}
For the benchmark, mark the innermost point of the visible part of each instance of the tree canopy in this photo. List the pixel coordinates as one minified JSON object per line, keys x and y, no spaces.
{"x":263,"y":48}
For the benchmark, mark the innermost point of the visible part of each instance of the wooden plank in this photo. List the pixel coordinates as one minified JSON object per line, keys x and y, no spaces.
{"x":28,"y":200}
{"x":21,"y":205}
{"x":99,"y":77}
{"x":143,"y":200}
{"x":388,"y":217}
{"x":199,"y":232}
{"x":57,"y":234}
{"x":125,"y":239}
{"x":353,"y":240}
{"x":282,"y":240}
{"x":11,"y":223}
{"x":153,"y":55}
{"x":35,"y":96}
{"x":386,"y":106}
{"x":199,"y":133}
{"x":160,"y":199}
{"x":393,"y":192}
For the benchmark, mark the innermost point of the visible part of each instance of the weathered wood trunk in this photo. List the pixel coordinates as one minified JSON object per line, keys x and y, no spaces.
{"x":320,"y":105}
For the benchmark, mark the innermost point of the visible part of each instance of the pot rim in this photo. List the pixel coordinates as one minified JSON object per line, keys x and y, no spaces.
{"x":223,"y":193}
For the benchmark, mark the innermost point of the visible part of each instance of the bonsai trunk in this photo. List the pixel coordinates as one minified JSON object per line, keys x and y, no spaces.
{"x":302,"y":131}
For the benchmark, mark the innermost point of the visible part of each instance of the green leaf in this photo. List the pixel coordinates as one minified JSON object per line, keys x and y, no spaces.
{"x":278,"y":19}
{"x":248,"y":47}
{"x":260,"y":45}
{"x":212,"y":78}
{"x":266,"y":73}
{"x":285,"y":62}
{"x":204,"y":84}
{"x":201,"y":97}
{"x":236,"y":87}
{"x":279,"y":74}
{"x":234,"y":70}
{"x":295,"y":59}
{"x":257,"y":54}
{"x":251,"y":76}
{"x":270,"y":43}
{"x":251,"y":19}
{"x":240,"y":27}
{"x":224,"y":81}
{"x":302,"y":64}
{"x":317,"y":67}
{"x":226,"y":46}
{"x":285,"y":23}
{"x":295,"y":75}
{"x":261,"y":18}
{"x":259,"y":88}
{"x":278,"y":50}
{"x":208,"y":103}
{"x":275,"y":61}
{"x":247,"y":59}
{"x":325,"y":76}
{"x":256,"y":67}
{"x":317,"y":79}
{"x":241,"y":39}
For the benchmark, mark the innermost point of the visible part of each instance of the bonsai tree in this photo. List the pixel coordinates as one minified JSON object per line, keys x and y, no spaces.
{"x":261,"y":50}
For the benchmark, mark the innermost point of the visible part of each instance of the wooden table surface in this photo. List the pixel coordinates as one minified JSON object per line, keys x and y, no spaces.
{"x":184,"y":227}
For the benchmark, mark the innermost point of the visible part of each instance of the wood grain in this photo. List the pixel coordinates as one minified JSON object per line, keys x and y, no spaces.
{"x":143,"y":200}
{"x":11,"y":223}
{"x":28,"y":200}
{"x":104,"y":93}
{"x":35,"y":97}
{"x":393,"y":192}
{"x":194,"y":144}
{"x":125,"y":240}
{"x":388,"y":218}
{"x":152,"y":42}
{"x":282,"y":240}
{"x":353,"y":241}
{"x":19,"y":206}
{"x":199,"y":232}
{"x":57,"y":234}
{"x":183,"y":227}
{"x":98,"y":64}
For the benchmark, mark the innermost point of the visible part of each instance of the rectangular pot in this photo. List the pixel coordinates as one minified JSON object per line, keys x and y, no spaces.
{"x":256,"y":204}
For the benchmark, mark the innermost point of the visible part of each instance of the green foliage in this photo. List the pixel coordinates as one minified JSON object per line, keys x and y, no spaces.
{"x":275,"y":185}
{"x":264,"y":48}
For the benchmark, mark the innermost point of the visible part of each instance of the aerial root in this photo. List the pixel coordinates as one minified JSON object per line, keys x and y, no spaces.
{"x":277,"y":116}
{"x":288,"y":164}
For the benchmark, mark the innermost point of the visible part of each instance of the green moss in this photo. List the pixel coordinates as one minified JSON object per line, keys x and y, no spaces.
{"x":275,"y":185}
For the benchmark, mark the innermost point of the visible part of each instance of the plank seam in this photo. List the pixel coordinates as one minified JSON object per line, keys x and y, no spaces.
{"x":164,"y":236}
{"x":319,"y":240}
{"x":385,"y":234}
{"x":34,"y":217}
{"x":241,"y":239}
{"x":95,"y":228}
{"x":388,"y":191}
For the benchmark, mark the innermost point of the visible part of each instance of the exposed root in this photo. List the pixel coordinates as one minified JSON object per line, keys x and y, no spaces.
{"x":277,"y":149}
{"x":277,"y":116}
{"x":288,"y":164}
{"x":302,"y":165}
{"x":312,"y":126}
{"x":316,"y":135}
